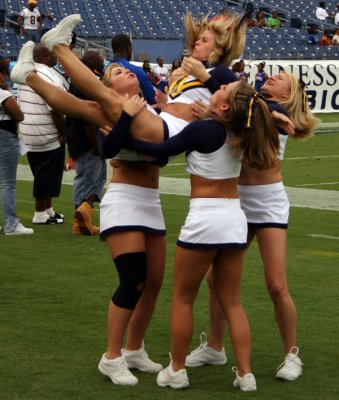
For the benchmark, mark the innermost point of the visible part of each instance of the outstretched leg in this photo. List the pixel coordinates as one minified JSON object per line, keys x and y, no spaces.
{"x":145,"y":125}
{"x":84,"y":79}
{"x":60,"y":100}
{"x":66,"y":103}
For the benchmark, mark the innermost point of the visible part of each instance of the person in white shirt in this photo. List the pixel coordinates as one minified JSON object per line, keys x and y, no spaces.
{"x":43,"y":134}
{"x":161,"y":74}
{"x":336,"y":17}
{"x":30,"y":21}
{"x":321,"y":13}
{"x":335,"y":39}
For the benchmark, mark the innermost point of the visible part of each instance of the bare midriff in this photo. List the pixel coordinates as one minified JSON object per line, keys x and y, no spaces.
{"x":135,"y":173}
{"x":148,"y":126}
{"x":213,"y":188}
{"x":250,"y":176}
{"x":180,"y":110}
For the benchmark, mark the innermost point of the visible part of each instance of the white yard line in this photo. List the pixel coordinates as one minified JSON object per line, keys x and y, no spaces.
{"x":311,"y":157}
{"x":304,"y":198}
{"x":319,"y":184}
{"x":324,"y":236}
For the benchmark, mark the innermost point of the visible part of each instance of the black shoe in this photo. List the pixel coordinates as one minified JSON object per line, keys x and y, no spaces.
{"x":58,"y":216}
{"x":50,"y":221}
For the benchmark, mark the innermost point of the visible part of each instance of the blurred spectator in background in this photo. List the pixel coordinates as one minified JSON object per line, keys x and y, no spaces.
{"x":274,"y":21}
{"x":321,"y":13}
{"x":47,"y":20}
{"x":161,"y":74}
{"x":260,"y":20}
{"x":43,"y":133}
{"x":313,"y":34}
{"x":122,"y":52}
{"x":236,"y":68}
{"x":10,"y":114}
{"x":260,"y":77}
{"x":335,"y":39}
{"x":249,"y":20}
{"x":239,"y":69}
{"x":146,"y":66}
{"x":176,"y":63}
{"x":336,"y":16}
{"x":326,"y":39}
{"x":6,"y":62}
{"x":223,"y":14}
{"x":90,"y":168}
{"x":243,"y":75}
{"x":30,"y":21}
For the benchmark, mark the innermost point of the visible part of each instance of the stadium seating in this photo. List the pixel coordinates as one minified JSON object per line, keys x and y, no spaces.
{"x":162,"y":20}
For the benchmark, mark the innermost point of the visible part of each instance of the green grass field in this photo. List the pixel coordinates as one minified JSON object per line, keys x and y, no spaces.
{"x":54,"y":291}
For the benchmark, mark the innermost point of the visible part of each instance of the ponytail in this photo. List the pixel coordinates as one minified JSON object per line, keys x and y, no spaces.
{"x":251,"y":130}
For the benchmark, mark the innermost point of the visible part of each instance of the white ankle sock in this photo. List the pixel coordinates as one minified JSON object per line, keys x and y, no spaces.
{"x":50,"y":212}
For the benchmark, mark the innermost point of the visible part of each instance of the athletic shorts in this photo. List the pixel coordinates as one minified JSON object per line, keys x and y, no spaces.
{"x":265,"y":206}
{"x":127,"y":207}
{"x":47,"y":168}
{"x":214,"y":223}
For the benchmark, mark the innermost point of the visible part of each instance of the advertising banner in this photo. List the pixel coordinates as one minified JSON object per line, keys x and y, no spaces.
{"x":321,"y":79}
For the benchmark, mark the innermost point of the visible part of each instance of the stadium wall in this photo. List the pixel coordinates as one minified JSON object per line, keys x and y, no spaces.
{"x":169,"y":49}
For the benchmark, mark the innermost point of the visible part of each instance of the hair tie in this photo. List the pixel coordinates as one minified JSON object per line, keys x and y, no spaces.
{"x":252,"y":99}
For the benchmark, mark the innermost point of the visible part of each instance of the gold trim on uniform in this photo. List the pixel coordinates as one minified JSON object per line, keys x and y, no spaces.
{"x":181,"y":85}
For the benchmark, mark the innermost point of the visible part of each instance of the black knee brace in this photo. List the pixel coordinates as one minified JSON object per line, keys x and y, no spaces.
{"x":132,"y":270}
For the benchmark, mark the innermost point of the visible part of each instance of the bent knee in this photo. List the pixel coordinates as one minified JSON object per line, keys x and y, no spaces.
{"x":277,"y":290}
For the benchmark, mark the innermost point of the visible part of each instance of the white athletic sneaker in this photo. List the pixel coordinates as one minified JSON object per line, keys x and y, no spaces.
{"x":173,"y":379}
{"x":291,"y":368}
{"x":24,"y":64}
{"x":20,"y":230}
{"x":139,"y":359}
{"x":205,"y":355}
{"x":62,"y":33}
{"x":246,"y":383}
{"x":117,"y":371}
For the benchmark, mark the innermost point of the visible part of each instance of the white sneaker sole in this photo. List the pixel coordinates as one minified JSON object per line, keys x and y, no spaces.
{"x":115,"y":381}
{"x":61,"y":34}
{"x":24,"y":65}
{"x":287,"y":377}
{"x":130,"y":365}
{"x":174,"y":385}
{"x":19,"y":233}
{"x":200,"y":364}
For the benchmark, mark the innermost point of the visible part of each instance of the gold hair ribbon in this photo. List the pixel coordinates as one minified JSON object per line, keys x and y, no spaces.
{"x":250,"y":106}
